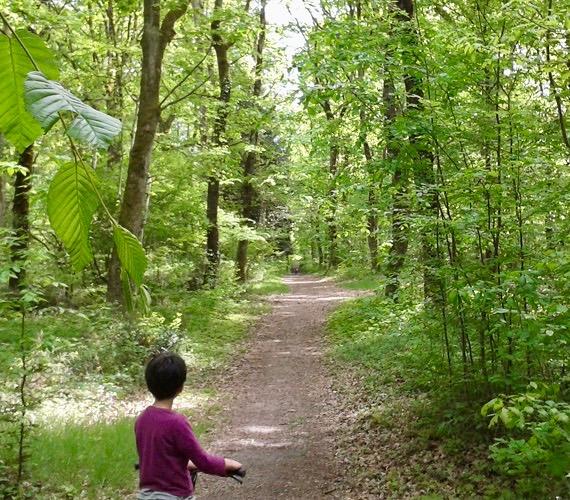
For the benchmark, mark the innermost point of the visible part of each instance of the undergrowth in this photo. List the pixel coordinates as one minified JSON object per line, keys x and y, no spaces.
{"x":410,"y":397}
{"x":88,"y":383}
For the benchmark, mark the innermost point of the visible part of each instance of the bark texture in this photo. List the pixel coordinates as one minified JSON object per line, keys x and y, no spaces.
{"x":3,"y":196}
{"x":221,"y":48}
{"x":399,"y":215}
{"x":423,"y":172}
{"x":20,"y":219}
{"x":156,"y":37}
{"x":249,"y":159}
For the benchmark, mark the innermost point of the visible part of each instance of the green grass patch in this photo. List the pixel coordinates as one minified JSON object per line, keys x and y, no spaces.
{"x":272,"y":286}
{"x":74,"y":460}
{"x":94,"y":461}
{"x":359,"y":279}
{"x":213,"y":323}
{"x":387,"y":339}
{"x":52,"y":323}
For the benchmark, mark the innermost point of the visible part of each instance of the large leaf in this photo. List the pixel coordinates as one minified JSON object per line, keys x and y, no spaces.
{"x":46,"y":99}
{"x":17,"y":125}
{"x":131,"y":254}
{"x":72,"y":201}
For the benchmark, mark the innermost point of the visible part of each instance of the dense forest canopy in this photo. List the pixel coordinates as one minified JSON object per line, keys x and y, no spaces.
{"x":155,"y":146}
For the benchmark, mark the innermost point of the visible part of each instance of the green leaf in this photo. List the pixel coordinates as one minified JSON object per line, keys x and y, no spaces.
{"x":71,"y":203}
{"x":46,"y":99}
{"x":131,"y":254}
{"x":16,"y":123}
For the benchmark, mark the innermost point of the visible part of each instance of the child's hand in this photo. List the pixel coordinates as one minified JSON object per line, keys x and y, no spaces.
{"x":232,"y":465}
{"x":191,"y":466}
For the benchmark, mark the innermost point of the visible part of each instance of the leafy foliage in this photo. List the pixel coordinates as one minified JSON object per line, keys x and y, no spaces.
{"x":16,"y":123}
{"x":539,"y":428}
{"x":72,"y":202}
{"x":131,"y":253}
{"x":47,"y":99}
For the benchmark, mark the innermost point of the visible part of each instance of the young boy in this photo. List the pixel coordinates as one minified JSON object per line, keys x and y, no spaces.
{"x":167,"y":447}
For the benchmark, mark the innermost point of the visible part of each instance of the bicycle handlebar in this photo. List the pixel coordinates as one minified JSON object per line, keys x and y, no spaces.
{"x":238,"y":475}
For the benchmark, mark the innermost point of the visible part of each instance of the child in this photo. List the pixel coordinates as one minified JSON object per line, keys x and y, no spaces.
{"x":167,"y":447}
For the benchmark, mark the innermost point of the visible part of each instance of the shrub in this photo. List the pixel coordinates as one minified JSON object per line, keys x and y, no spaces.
{"x":537,"y":444}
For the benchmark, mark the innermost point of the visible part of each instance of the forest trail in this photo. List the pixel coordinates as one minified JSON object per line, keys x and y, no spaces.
{"x":275,"y":422}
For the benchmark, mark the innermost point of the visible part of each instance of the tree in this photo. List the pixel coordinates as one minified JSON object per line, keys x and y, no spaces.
{"x":156,"y":38}
{"x":249,"y":158}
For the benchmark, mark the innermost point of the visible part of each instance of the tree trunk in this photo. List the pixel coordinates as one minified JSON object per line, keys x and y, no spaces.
{"x":372,"y":217}
{"x":248,"y":209}
{"x":399,"y":229}
{"x":114,"y":90}
{"x":20,"y":219}
{"x":3,"y":199}
{"x":249,"y":160}
{"x":424,"y":176}
{"x":331,"y":220}
{"x":372,"y":225}
{"x":213,"y":196}
{"x":155,"y":39}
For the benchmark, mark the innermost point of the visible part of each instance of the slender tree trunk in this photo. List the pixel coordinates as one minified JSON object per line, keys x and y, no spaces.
{"x":372,"y":225}
{"x":247,"y":200}
{"x":424,"y":176}
{"x":331,"y":220}
{"x":554,"y":89}
{"x":399,"y":224}
{"x":249,"y":161}
{"x":20,"y":219}
{"x":155,"y":39}
{"x":114,"y":91}
{"x":372,"y":216}
{"x":213,"y":196}
{"x":3,"y":198}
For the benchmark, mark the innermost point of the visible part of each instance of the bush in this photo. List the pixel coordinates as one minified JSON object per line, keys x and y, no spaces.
{"x":538,"y":437}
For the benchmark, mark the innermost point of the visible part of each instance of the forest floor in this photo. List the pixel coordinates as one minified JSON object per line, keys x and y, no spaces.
{"x":279,"y":408}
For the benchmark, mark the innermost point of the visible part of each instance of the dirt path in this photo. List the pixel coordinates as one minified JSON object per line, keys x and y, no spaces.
{"x":276,"y":421}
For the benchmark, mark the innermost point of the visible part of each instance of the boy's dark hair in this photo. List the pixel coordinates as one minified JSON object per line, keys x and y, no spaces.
{"x":165,"y":375}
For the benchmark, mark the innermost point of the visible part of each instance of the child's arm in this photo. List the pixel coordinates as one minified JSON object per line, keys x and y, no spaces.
{"x":230,"y":464}
{"x":191,"y":449}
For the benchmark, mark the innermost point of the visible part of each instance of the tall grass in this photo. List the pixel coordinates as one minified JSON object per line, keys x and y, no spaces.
{"x":95,"y":459}
{"x":86,"y":461}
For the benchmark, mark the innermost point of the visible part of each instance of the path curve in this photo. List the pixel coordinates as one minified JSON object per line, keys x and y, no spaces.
{"x":278,"y":421}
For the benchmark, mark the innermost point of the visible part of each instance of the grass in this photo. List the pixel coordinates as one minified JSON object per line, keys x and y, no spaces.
{"x":386,"y":339}
{"x":92,"y":461}
{"x":214,"y":326}
{"x":271,"y":286}
{"x":53,"y":323}
{"x":388,"y":345}
{"x":369,"y":282}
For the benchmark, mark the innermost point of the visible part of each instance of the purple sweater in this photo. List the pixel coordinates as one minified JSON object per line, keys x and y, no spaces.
{"x":165,"y":443}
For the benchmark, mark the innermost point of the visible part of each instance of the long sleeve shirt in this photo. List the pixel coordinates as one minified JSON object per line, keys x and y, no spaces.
{"x":165,"y":444}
